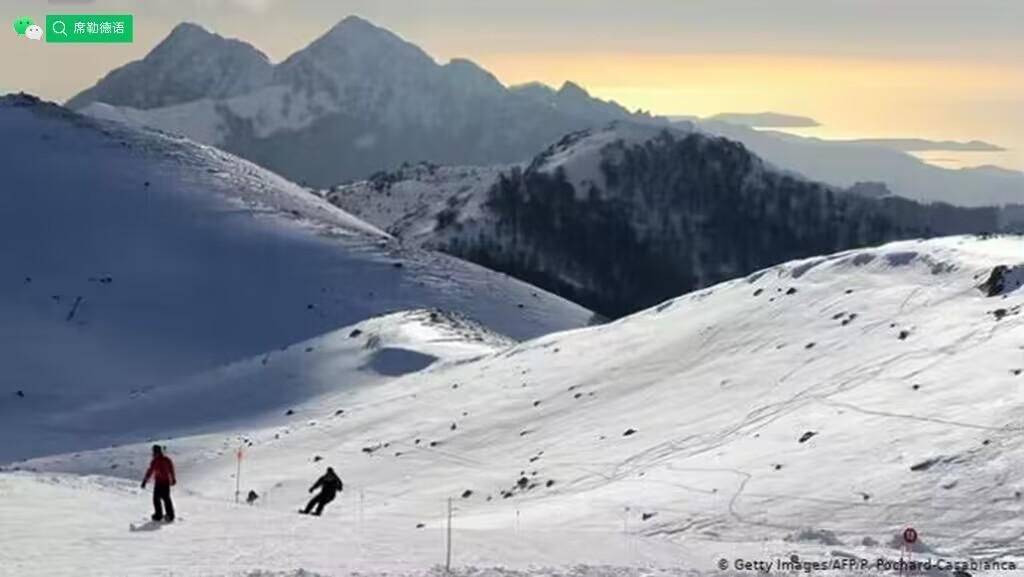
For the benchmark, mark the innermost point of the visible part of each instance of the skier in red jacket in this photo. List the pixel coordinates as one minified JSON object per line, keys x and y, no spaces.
{"x":161,"y":469}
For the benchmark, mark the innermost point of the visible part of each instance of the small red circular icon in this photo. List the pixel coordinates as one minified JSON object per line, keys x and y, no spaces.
{"x":910,"y":535}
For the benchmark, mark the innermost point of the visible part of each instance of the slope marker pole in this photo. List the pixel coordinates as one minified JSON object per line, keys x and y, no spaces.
{"x":448,"y":540}
{"x":362,"y":504}
{"x":238,"y":474}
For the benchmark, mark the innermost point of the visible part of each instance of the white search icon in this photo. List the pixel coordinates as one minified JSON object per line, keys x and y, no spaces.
{"x":59,"y":27}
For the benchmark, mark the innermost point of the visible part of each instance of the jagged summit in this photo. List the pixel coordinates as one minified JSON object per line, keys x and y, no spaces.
{"x":356,"y":24}
{"x":356,"y":100}
{"x":571,"y":89}
{"x":472,"y":76}
{"x":191,"y":37}
{"x":188,"y":30}
{"x":357,"y":39}
{"x":190,"y":64}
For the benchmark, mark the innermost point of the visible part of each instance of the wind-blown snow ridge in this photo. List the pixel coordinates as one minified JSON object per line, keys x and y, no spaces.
{"x":816,"y":407}
{"x":238,"y":180}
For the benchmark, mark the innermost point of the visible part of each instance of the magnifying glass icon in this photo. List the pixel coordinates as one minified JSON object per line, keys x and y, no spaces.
{"x":59,"y":27}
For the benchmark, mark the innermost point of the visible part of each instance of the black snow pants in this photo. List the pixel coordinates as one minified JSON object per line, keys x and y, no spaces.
{"x":163,"y":508}
{"x":319,"y":501}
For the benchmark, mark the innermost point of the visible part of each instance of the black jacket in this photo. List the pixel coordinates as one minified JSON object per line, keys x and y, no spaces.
{"x":329,"y":484}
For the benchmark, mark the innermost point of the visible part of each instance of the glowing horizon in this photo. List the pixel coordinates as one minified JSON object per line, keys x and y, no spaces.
{"x":849,"y":97}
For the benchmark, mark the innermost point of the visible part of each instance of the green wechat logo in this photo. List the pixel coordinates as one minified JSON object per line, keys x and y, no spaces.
{"x":22,"y":24}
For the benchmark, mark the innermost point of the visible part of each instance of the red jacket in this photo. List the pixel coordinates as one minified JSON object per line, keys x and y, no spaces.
{"x":161,"y":469}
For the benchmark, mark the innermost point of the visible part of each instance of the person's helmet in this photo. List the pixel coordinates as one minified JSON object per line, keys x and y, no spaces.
{"x":158,"y":450}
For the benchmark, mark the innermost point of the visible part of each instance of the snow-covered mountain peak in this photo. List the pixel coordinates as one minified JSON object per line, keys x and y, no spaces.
{"x":472,"y":78}
{"x":354,"y":26}
{"x":581,"y":153}
{"x":357,"y":100}
{"x":357,"y":43}
{"x":190,"y":64}
{"x":183,"y":33}
{"x":189,"y":39}
{"x":570,"y":89}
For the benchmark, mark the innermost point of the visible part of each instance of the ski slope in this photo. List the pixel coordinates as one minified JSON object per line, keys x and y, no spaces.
{"x":134,"y":261}
{"x":815,"y":408}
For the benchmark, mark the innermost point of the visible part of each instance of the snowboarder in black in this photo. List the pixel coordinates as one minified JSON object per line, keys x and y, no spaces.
{"x":329,"y":486}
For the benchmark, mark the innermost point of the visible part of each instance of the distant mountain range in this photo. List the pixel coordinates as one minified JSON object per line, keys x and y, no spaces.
{"x":622,"y":218}
{"x":357,"y":100}
{"x":360,"y":99}
{"x":844,"y":163}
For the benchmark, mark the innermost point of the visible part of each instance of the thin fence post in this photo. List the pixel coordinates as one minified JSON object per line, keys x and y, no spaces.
{"x":238,"y":474}
{"x":627,"y":542}
{"x":362,"y":503}
{"x":448,"y":546}
{"x":360,"y":513}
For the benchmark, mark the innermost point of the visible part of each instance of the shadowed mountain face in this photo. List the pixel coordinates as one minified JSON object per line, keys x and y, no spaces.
{"x":357,"y":100}
{"x":174,"y":259}
{"x":188,"y":65}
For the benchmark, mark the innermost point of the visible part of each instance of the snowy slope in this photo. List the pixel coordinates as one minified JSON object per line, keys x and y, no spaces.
{"x":817,"y":407}
{"x":406,"y":202}
{"x":133,"y":260}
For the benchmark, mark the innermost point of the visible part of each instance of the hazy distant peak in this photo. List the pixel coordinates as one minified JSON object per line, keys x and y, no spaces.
{"x":189,"y":37}
{"x":187,"y":29}
{"x":356,"y":30}
{"x":189,"y":64}
{"x":923,"y":144}
{"x":535,"y":90}
{"x":472,"y":75}
{"x":356,"y":27}
{"x":353,"y":22}
{"x":532,"y":85}
{"x":993,"y":170}
{"x":766,"y":120}
{"x":468,"y":66}
{"x":571,"y":89}
{"x":465,"y":63}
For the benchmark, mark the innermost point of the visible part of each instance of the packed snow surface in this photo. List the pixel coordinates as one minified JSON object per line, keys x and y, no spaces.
{"x":816,"y":408}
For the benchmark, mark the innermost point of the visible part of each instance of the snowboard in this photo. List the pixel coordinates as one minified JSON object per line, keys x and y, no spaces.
{"x":151,"y":525}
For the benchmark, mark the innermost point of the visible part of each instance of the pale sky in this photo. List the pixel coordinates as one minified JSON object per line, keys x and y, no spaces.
{"x":939,"y":69}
